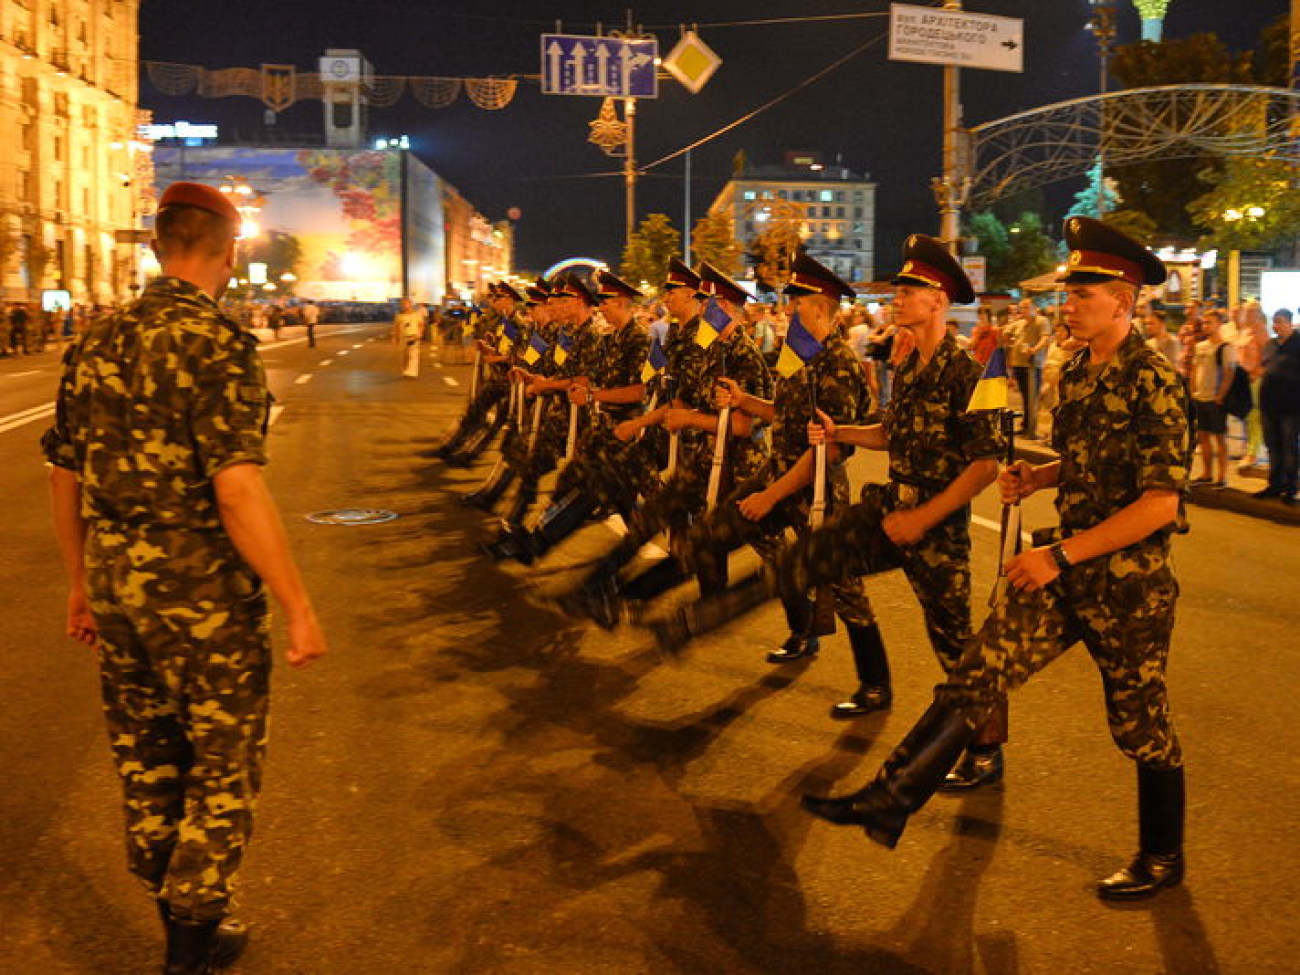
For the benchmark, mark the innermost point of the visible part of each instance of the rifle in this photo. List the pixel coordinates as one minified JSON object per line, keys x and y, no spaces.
{"x":822,"y":621}
{"x":1010,"y":536}
{"x":571,"y":444}
{"x":473,"y":376}
{"x":537,"y":424}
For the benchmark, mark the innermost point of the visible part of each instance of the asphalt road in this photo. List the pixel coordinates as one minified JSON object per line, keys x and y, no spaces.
{"x":472,"y":784}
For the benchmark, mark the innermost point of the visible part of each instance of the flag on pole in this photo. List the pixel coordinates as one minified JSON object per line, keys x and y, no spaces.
{"x":536,"y":349}
{"x":990,"y":393}
{"x":563,"y":344}
{"x":800,"y":348}
{"x":713,"y":323}
{"x":654,"y":363}
{"x":510,"y":333}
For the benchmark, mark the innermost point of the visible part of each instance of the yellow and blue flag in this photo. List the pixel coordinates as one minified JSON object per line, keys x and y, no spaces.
{"x":990,"y":393}
{"x":800,"y":348}
{"x":563,"y":344}
{"x":510,"y":333}
{"x":654,"y":363}
{"x":713,"y":323}
{"x":536,"y":349}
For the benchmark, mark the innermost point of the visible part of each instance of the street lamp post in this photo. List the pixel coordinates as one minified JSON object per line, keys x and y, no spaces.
{"x":1102,"y":26}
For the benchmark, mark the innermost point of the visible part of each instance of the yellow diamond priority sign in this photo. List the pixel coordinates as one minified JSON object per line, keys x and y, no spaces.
{"x":692,"y":62}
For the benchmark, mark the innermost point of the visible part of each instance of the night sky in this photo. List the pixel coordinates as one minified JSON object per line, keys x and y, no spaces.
{"x":877,"y":116}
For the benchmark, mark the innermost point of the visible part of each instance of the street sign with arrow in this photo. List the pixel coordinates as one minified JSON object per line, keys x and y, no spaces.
{"x":608,"y":67}
{"x":937,"y":36}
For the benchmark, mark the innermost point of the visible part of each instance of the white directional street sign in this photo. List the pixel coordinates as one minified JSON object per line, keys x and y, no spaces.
{"x":935,"y":36}
{"x":609,"y":67}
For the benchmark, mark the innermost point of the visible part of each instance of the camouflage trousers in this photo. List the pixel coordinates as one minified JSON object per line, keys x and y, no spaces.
{"x":852,"y":544}
{"x":712,"y":539}
{"x":185,"y":667}
{"x":493,"y":392}
{"x":612,"y":471}
{"x":1121,"y":608}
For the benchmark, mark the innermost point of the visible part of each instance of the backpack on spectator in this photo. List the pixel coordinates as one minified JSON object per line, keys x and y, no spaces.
{"x":1238,"y":401}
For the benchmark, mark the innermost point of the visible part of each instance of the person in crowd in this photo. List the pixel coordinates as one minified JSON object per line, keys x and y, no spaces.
{"x":1211,"y":379}
{"x":1252,"y":336}
{"x":1025,"y":339}
{"x":1159,"y":338}
{"x":1279,"y":403}
{"x":407,"y":326}
{"x":984,"y":337}
{"x":168,"y":534}
{"x":1190,"y":333}
{"x":310,"y":312}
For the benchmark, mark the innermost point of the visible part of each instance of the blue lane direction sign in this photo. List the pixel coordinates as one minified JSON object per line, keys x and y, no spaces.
{"x":608,"y":67}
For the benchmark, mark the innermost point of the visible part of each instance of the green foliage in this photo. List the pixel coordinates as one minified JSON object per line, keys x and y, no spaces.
{"x":1273,"y":60}
{"x":653,"y":245}
{"x":1252,"y":206}
{"x":1085,"y":201}
{"x":712,"y":240}
{"x":1015,"y":251}
{"x":280,"y":252}
{"x":1161,"y":189}
{"x":772,"y":250}
{"x":1135,"y":223}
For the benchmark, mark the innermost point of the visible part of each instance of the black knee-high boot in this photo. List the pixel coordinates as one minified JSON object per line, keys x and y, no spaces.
{"x":470,"y":446}
{"x":665,"y":574}
{"x":709,"y":614}
{"x":874,"y":691}
{"x":489,"y":493}
{"x":1159,"y":862}
{"x":801,"y":642}
{"x":509,"y":540}
{"x":906,"y":781}
{"x":982,"y":764}
{"x":557,"y":523}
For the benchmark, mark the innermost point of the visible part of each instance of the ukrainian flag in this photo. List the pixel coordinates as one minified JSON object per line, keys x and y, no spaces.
{"x":713,"y":323}
{"x":654,"y":363}
{"x":508,"y":339}
{"x":563,"y":343}
{"x":800,"y":348}
{"x":536,"y":349}
{"x":990,"y":392}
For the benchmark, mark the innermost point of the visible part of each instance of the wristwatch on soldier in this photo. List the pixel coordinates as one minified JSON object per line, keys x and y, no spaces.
{"x":1059,"y":556}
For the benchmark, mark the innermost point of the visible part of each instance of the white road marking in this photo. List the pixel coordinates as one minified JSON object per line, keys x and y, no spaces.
{"x":304,"y":378}
{"x":449,"y":381}
{"x":15,"y":420}
{"x":326,"y":362}
{"x":357,"y":346}
{"x":25,"y":372}
{"x":275,"y":414}
{"x":342,"y":352}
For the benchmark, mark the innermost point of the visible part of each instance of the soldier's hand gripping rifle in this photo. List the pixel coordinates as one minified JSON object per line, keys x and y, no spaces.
{"x":571,"y":444}
{"x":720,"y":439}
{"x":1010,"y":535}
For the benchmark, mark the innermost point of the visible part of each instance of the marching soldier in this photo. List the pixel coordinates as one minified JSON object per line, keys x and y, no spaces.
{"x":574,"y":357}
{"x":613,"y":393}
{"x":819,"y":369}
{"x":1103,"y":577}
{"x":698,"y":356}
{"x":474,"y":431}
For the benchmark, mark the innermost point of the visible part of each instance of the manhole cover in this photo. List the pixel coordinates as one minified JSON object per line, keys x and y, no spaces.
{"x":352,"y":516}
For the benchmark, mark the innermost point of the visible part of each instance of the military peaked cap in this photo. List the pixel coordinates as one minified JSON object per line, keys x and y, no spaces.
{"x":811,"y":277}
{"x":681,"y":276}
{"x":201,"y":196}
{"x":1099,"y":252}
{"x":717,"y":285}
{"x":575,"y":285}
{"x":926,"y":261}
{"x":538,"y":291}
{"x":612,"y":286}
{"x":507,"y":290}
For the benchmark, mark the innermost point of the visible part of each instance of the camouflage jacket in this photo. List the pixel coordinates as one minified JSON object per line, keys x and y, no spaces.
{"x":835,"y":380}
{"x":1119,"y":431}
{"x":685,"y":359}
{"x":622,"y":354}
{"x":738,"y":358}
{"x":154,"y":401}
{"x":930,"y":436}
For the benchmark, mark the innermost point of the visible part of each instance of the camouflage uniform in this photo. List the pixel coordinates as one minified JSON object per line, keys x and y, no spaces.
{"x":931,"y":440}
{"x":836,"y":380}
{"x":1119,"y":433}
{"x":154,"y":402}
{"x":620,"y":356}
{"x":697,"y":370}
{"x":494,"y":389}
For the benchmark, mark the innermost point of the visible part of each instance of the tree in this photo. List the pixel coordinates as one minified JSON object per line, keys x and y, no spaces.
{"x":1161,"y":189}
{"x":1250,"y":207}
{"x":772,"y":249}
{"x":712,"y":240}
{"x":1085,"y":201}
{"x":280,"y":252}
{"x":653,"y":245}
{"x":1015,"y":251}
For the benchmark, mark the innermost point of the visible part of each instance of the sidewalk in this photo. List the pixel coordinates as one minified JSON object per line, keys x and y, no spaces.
{"x":1237,"y":496}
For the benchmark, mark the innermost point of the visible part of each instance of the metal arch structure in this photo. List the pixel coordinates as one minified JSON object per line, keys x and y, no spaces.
{"x":1059,"y":141}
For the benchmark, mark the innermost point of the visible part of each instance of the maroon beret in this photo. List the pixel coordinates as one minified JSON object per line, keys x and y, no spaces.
{"x":201,"y":196}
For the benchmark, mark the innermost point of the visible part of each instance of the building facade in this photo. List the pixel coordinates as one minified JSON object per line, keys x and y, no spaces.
{"x":75,"y":177}
{"x":835,"y":210}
